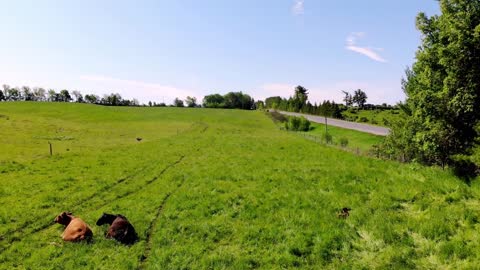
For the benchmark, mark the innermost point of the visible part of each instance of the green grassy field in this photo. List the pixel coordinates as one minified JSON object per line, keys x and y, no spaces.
{"x":218,"y":189}
{"x":362,"y":141}
{"x":374,"y":117}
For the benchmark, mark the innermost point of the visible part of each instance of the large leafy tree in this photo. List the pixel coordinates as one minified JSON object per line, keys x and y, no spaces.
{"x":191,"y":101}
{"x":52,"y":95}
{"x":91,"y":98}
{"x":65,"y":96}
{"x":178,"y":102}
{"x":348,"y":99}
{"x":359,"y":98}
{"x":39,"y":94}
{"x":113,"y":100}
{"x":273,"y":102}
{"x":233,"y":100}
{"x":6,"y":88}
{"x":27,"y":93}
{"x":78,"y":96}
{"x":14,"y":94}
{"x":442,"y":109}
{"x":214,"y":101}
{"x":300,"y":98}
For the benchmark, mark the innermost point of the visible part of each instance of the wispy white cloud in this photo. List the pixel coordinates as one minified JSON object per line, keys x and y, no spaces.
{"x":298,"y":7}
{"x":138,"y":89}
{"x":371,"y":53}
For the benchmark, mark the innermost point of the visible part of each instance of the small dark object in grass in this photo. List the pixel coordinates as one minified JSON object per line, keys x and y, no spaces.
{"x":344,"y":213}
{"x":139,"y":139}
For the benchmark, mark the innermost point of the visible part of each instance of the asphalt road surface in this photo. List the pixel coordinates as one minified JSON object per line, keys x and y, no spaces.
{"x":376,"y":130}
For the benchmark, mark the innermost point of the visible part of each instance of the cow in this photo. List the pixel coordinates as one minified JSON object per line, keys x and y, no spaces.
{"x":75,"y":228}
{"x":120,"y":228}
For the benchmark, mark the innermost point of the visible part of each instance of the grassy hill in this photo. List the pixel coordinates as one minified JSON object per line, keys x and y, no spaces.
{"x":218,"y":189}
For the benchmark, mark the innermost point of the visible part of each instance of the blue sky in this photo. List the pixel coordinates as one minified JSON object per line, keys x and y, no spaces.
{"x":159,"y":50}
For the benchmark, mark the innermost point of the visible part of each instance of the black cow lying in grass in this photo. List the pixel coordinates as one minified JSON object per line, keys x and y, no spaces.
{"x":120,"y":228}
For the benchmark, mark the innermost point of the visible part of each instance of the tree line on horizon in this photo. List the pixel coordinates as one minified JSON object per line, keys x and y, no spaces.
{"x":231,"y":100}
{"x":26,"y":93}
{"x":299,"y":103}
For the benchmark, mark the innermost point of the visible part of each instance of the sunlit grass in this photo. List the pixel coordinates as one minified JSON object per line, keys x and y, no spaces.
{"x":219,"y":189}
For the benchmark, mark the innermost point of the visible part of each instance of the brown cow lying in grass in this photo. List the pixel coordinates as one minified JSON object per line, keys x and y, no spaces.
{"x":75,"y":228}
{"x":120,"y":228}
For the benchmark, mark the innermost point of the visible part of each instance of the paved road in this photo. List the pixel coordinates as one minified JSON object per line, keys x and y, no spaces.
{"x":382,"y":131}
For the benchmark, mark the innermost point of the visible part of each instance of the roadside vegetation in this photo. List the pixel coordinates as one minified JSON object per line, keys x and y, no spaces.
{"x":440,"y":119}
{"x":297,"y":124}
{"x":355,"y":108}
{"x":439,"y":122}
{"x":384,"y":116}
{"x":346,"y":139}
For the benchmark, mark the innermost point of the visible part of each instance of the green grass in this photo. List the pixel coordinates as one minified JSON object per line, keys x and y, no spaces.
{"x":218,"y":189}
{"x":356,"y":139}
{"x":375,"y":117}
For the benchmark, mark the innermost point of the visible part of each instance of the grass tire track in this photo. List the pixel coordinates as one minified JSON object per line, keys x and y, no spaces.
{"x":47,"y":225}
{"x":24,"y":226}
{"x":153,"y":225}
{"x":147,"y":183}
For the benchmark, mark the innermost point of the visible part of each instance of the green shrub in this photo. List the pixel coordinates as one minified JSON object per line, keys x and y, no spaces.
{"x":343,"y":142}
{"x":328,"y":138}
{"x":386,"y":122}
{"x":362,"y":119}
{"x":464,"y":167}
{"x":304,"y":124}
{"x":277,"y":117}
{"x":293,"y":123}
{"x":297,"y":124}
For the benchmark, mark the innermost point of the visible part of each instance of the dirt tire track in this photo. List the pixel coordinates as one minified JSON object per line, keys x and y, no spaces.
{"x":153,"y":225}
{"x":47,"y":225}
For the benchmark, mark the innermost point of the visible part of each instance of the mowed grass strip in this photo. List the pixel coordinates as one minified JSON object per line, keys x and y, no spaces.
{"x":355,"y":139}
{"x":246,"y":195}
